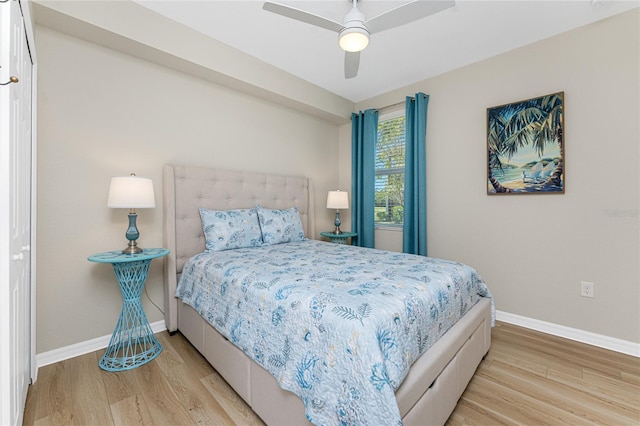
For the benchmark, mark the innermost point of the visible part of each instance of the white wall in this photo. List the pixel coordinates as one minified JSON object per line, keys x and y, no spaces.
{"x":103,"y":113}
{"x":533,"y":250}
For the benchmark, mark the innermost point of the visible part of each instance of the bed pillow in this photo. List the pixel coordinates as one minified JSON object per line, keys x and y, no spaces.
{"x":230,"y":229}
{"x":280,"y":226}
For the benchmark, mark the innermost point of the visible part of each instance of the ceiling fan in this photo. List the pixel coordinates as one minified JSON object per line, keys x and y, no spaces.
{"x":355,"y":30}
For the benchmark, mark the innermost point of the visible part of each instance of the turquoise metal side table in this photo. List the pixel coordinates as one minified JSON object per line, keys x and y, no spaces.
{"x":339,"y":238}
{"x":132,"y":342}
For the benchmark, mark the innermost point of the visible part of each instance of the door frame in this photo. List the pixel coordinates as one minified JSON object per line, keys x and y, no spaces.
{"x":26,"y":6}
{"x":20,"y":10}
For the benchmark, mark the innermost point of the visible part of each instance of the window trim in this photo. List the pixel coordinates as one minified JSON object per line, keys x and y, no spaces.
{"x":389,"y":227}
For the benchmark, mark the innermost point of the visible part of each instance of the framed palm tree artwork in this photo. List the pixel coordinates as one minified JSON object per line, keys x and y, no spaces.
{"x":525,"y":146}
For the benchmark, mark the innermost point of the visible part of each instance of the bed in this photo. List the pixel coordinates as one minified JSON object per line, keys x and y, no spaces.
{"x":433,"y":383}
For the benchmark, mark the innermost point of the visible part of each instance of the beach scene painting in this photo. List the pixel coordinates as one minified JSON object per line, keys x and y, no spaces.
{"x":525,"y":146}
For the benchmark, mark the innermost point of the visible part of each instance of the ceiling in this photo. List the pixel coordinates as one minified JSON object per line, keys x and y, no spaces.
{"x":466,"y":33}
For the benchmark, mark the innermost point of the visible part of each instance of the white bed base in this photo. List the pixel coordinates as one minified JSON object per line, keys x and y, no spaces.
{"x":435,"y":382}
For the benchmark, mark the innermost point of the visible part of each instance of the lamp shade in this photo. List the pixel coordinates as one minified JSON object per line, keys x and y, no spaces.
{"x":131,"y":192}
{"x":338,"y":200}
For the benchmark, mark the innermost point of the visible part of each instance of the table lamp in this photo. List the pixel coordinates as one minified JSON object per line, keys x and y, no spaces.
{"x":337,"y":200}
{"x":131,"y":193}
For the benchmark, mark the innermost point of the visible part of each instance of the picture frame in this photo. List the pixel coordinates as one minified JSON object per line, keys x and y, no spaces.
{"x":525,"y":146}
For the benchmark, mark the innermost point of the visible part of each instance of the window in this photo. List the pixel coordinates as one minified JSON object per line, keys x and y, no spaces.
{"x":389,"y":185}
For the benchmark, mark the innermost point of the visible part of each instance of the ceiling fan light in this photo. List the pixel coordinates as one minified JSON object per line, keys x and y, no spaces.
{"x":353,"y":39}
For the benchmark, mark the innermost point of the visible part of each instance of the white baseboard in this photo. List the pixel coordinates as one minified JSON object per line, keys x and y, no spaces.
{"x":60,"y":354}
{"x":606,"y":342}
{"x":611,"y":343}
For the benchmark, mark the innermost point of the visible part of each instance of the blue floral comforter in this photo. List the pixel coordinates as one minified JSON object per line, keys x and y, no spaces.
{"x":338,"y":325}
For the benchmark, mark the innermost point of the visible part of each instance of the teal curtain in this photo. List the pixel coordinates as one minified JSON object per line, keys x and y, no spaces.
{"x":414,"y":236}
{"x":364,"y":133}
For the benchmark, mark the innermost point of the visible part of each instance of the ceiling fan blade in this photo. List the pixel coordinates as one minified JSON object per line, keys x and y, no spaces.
{"x":301,"y":15}
{"x":406,"y":13}
{"x":351,"y":64}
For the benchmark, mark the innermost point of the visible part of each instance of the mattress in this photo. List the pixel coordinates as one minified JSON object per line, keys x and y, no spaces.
{"x":337,"y":325}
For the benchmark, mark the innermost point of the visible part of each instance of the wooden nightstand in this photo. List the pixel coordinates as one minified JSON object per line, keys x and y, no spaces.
{"x":339,"y":238}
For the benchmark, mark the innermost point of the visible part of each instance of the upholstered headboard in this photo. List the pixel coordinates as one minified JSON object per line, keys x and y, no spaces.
{"x":188,"y":188}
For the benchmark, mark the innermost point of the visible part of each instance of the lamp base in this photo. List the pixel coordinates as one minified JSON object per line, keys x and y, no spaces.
{"x":132,"y":248}
{"x":132,"y":235}
{"x":337,"y":223}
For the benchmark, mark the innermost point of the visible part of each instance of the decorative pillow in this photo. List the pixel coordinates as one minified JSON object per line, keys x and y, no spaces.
{"x":280,"y":226}
{"x":230,"y":229}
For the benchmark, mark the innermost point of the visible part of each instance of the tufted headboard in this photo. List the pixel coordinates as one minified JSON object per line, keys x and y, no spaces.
{"x":188,"y":188}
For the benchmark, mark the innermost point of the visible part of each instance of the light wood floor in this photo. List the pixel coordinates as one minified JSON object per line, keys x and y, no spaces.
{"x":528,"y":378}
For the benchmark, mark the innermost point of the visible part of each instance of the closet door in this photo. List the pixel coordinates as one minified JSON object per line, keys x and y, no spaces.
{"x":15,"y":214}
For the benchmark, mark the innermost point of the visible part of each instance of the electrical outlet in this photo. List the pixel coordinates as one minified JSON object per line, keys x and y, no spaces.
{"x":586,"y":289}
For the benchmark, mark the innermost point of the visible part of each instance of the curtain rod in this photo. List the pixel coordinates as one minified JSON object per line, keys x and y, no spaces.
{"x":390,"y":107}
